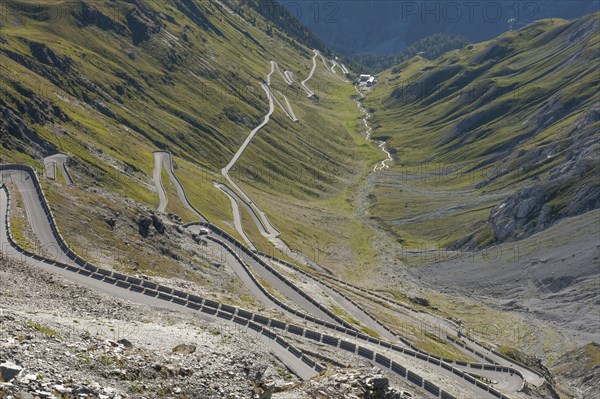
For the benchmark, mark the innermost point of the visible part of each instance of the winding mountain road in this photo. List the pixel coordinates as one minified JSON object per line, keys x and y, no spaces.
{"x":237,"y":215}
{"x":441,"y":327}
{"x":162,"y":194}
{"x":297,"y":365}
{"x":36,"y":214}
{"x":284,"y":287}
{"x":272,"y":231}
{"x":39,"y":214}
{"x":336,"y":64}
{"x":349,"y":307}
{"x":308,"y":91}
{"x":59,"y":161}
{"x":324,"y":61}
{"x":284,"y":109}
{"x":239,"y":201}
{"x":283,"y":75}
{"x":266,"y":228}
{"x":240,"y":151}
{"x":290,"y":76}
{"x":25,"y":182}
{"x":288,"y":111}
{"x":503,"y":381}
{"x":287,"y":101}
{"x":165,"y":159}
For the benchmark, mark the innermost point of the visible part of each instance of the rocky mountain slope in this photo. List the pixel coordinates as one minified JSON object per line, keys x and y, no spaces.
{"x":506,"y":128}
{"x":109,"y":348}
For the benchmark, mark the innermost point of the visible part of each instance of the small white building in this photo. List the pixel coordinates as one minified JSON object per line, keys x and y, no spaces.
{"x":371,"y":81}
{"x":364,"y":78}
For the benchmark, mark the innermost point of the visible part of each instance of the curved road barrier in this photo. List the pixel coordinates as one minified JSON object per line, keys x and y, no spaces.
{"x":245,"y":256}
{"x":529,"y":375}
{"x":383,"y":326}
{"x":284,"y":285}
{"x":463,"y":365}
{"x":487,"y":370}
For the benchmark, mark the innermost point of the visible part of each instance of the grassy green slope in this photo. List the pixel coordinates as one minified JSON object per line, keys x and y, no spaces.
{"x":481,"y":131}
{"x":109,"y":82}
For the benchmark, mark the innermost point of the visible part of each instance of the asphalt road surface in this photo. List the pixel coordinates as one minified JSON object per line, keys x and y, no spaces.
{"x":57,"y":161}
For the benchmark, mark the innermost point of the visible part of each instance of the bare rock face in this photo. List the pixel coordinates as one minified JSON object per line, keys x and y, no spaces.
{"x":158,"y":224}
{"x":46,"y":55}
{"x":580,"y":370}
{"x":126,"y":343}
{"x":144,"y":226}
{"x":420,"y":301}
{"x":145,"y":223}
{"x":142,"y":24}
{"x":359,"y":384}
{"x":89,"y":15}
{"x":513,"y":216}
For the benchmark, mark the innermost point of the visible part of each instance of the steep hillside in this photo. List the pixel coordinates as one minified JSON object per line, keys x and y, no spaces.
{"x":493,"y":194}
{"x":500,"y":137}
{"x":110,"y":82}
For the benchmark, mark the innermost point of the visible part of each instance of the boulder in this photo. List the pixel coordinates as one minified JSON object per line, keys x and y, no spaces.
{"x":184,"y":349}
{"x":420,"y":301}
{"x":144,"y":226}
{"x":158,"y":224}
{"x":126,"y":343}
{"x":378,"y":387}
{"x":8,"y":371}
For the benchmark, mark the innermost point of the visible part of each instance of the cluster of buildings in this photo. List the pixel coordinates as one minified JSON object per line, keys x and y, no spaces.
{"x":366,"y":80}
